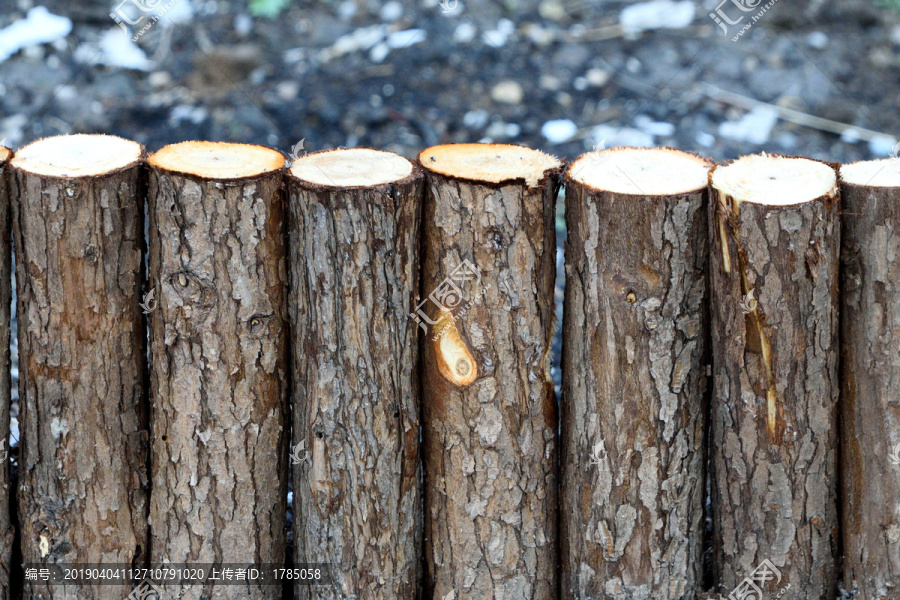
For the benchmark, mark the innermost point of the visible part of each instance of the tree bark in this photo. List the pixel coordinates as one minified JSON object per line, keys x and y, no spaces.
{"x":82,"y":468}
{"x":489,"y":409}
{"x":356,"y":466}
{"x":218,"y":355}
{"x":7,"y":532}
{"x":870,"y":369}
{"x":774,"y":441}
{"x":635,"y":355}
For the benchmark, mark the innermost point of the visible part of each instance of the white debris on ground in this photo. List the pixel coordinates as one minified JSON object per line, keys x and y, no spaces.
{"x":606,"y":136}
{"x":654,"y":128}
{"x":376,"y":39}
{"x":38,"y":27}
{"x":755,"y":127}
{"x":883,"y":146}
{"x":707,"y":140}
{"x":658,"y":14}
{"x":464,"y":33}
{"x":559,"y":131}
{"x":500,"y":35}
{"x":114,"y":49}
{"x":407,"y":37}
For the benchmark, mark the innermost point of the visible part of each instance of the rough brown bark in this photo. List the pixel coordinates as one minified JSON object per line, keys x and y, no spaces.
{"x":489,"y":409}
{"x":774,"y":437}
{"x":870,"y":319}
{"x":218,"y":356}
{"x":357,"y":480}
{"x":82,"y":467}
{"x":635,"y":355}
{"x":6,"y":492}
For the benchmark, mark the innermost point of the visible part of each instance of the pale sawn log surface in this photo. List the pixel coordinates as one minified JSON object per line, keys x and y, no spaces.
{"x":774,"y":473}
{"x":490,"y":445}
{"x":634,"y":402}
{"x":219,"y":378}
{"x":83,"y":480}
{"x":357,"y":477}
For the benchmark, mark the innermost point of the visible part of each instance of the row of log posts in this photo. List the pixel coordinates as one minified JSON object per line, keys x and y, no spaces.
{"x":77,"y":225}
{"x":634,"y":375}
{"x":774,"y":275}
{"x":870,"y":377}
{"x":642,"y":323}
{"x":218,"y":359}
{"x":7,"y":531}
{"x":354,"y":237}
{"x":489,"y":410}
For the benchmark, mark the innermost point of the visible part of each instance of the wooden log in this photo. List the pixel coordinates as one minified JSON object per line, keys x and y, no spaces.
{"x":354,"y":230}
{"x":218,"y":356}
{"x":489,"y":409}
{"x":77,"y":224}
{"x":634,"y":378}
{"x":774,"y":287}
{"x":870,"y":376}
{"x":7,"y":532}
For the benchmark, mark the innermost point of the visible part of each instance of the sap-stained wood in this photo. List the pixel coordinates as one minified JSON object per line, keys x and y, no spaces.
{"x":490,"y":450}
{"x":218,"y":356}
{"x":634,"y":395}
{"x":870,"y":286}
{"x":6,"y":491}
{"x":774,"y":444}
{"x":357,"y":483}
{"x":82,"y":468}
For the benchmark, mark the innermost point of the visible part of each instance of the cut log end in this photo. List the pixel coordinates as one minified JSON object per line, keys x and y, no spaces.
{"x":351,"y":168}
{"x":217,"y":160}
{"x":82,"y":155}
{"x":873,"y":173}
{"x":775,"y":180}
{"x":640,"y":171}
{"x":489,"y":163}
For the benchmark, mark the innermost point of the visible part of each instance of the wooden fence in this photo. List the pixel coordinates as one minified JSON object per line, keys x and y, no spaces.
{"x":374,"y":334}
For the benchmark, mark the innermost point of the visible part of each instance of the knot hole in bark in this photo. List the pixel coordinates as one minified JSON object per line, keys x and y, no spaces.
{"x":193,"y":290}
{"x":261,"y":326}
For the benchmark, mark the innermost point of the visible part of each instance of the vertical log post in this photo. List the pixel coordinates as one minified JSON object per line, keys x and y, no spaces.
{"x":870,"y":369}
{"x":218,"y":356}
{"x":6,"y":492}
{"x":774,"y":295}
{"x":489,"y":410}
{"x":634,"y":375}
{"x":77,"y":222}
{"x":354,"y":225}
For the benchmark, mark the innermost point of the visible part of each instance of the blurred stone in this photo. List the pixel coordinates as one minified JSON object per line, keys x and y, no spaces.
{"x":597,"y":77}
{"x":552,"y":10}
{"x":507,"y":92}
{"x":817,"y":40}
